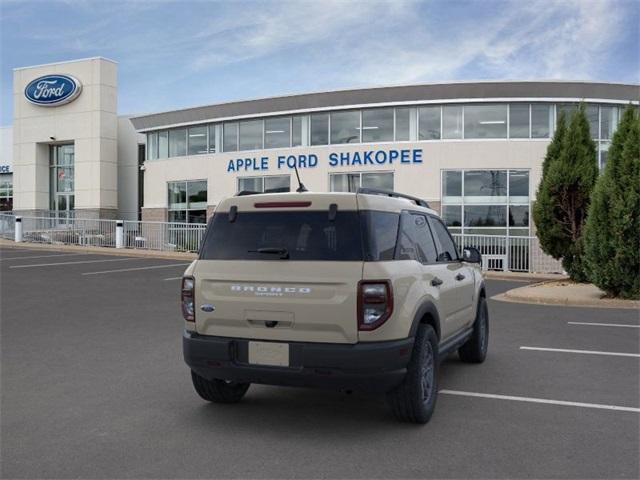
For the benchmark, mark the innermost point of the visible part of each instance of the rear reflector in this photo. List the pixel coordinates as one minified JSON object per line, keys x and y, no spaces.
{"x":281,"y":204}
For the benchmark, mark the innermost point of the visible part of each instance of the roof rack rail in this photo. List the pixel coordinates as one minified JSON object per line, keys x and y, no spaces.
{"x":389,"y":193}
{"x":246,"y":192}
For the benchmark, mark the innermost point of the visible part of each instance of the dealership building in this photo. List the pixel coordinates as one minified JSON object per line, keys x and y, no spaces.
{"x":473,"y":150}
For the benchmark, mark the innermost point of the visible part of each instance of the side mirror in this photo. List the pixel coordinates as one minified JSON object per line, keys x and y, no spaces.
{"x":471,"y":255}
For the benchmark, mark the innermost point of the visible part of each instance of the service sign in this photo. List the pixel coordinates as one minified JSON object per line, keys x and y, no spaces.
{"x":53,"y":90}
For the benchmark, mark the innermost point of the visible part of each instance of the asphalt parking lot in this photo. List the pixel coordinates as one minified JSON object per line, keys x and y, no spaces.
{"x":94,"y":386}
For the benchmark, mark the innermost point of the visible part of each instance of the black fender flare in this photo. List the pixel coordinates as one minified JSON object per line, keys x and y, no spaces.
{"x":427,"y":307}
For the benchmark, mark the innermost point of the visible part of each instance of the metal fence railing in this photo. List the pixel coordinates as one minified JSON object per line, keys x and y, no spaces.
{"x":516,"y":254}
{"x":7,"y":226}
{"x":163,"y":236}
{"x":69,"y":231}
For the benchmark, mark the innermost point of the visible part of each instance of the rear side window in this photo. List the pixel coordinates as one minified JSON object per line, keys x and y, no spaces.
{"x":415,"y":241}
{"x":447,"y":250}
{"x":306,"y":235}
{"x":380,"y":232}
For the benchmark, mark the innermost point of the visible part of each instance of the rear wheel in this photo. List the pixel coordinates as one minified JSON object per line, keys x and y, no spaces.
{"x":475,"y":349}
{"x":219,"y":391}
{"x":414,"y":400}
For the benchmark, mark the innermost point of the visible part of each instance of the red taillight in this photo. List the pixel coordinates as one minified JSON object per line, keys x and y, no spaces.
{"x":187,"y":299}
{"x":281,"y":204}
{"x":375,"y":303}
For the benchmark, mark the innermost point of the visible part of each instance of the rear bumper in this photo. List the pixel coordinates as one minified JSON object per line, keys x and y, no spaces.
{"x":373,"y":367}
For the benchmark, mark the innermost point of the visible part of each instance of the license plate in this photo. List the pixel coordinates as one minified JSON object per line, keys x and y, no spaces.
{"x":269,"y":353}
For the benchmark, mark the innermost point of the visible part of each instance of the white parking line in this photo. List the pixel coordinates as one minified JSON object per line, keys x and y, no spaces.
{"x":138,"y":268}
{"x":41,"y":256}
{"x":172,"y":278}
{"x":75,"y":263}
{"x":541,"y":400}
{"x":622,"y":325}
{"x":588,"y":352}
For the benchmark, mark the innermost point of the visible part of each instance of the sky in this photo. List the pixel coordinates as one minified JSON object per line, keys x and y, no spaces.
{"x":176,"y":54}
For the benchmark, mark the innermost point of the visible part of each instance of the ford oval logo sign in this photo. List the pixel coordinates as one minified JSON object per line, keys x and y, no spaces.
{"x":53,"y":90}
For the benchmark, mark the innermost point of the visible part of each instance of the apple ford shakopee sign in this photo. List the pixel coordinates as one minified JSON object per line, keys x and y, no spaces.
{"x":53,"y":90}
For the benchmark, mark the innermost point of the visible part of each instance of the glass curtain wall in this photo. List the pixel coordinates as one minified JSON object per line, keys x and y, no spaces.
{"x":61,"y":180}
{"x":187,"y":201}
{"x":350,"y":182}
{"x":486,"y":202}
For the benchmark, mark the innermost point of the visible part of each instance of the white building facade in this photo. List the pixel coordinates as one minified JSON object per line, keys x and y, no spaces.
{"x":474,"y":151}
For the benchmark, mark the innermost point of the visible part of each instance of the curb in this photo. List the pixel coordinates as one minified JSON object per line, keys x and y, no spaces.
{"x":513,"y":296}
{"x":125,"y":252}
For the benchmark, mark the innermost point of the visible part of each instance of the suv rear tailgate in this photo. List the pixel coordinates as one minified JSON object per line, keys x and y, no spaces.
{"x":278,"y":300}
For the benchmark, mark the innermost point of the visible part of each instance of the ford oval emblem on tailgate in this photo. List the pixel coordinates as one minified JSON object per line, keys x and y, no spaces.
{"x":207,"y":308}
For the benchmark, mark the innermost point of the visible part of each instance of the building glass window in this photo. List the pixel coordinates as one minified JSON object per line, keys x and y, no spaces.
{"x":61,"y":179}
{"x":452,"y":185}
{"x":519,"y":186}
{"x":608,"y":122}
{"x":403,"y":124}
{"x":230,"y":137}
{"x":452,"y":121}
{"x":345,"y":127}
{"x":429,"y":123}
{"x":519,"y":120}
{"x":320,"y":129}
{"x":6,"y":192}
{"x":452,"y":215}
{"x":485,"y":121}
{"x":277,"y":132}
{"x":296,"y":131}
{"x":592,"y":116}
{"x":270,"y":184}
{"x":377,"y":125}
{"x":251,"y":135}
{"x":152,"y":146}
{"x":163,"y":144}
{"x":604,"y":152}
{"x":485,"y":208}
{"x":350,"y":182}
{"x":187,"y":201}
{"x":212,"y":138}
{"x":178,"y":142}
{"x":485,"y":216}
{"x":541,"y":120}
{"x":197,"y":140}
{"x":485,"y":186}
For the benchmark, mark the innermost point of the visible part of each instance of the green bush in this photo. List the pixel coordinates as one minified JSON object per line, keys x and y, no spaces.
{"x":569,"y":174}
{"x":612,"y":233}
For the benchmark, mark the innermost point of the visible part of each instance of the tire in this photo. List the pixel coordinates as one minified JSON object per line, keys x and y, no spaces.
{"x":414,"y":400}
{"x":219,"y":391}
{"x":474,"y":350}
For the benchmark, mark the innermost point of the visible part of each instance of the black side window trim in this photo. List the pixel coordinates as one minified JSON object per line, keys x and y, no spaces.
{"x":438,"y":245}
{"x":435,"y":243}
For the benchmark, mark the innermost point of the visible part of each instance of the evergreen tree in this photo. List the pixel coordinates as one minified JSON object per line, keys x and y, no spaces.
{"x":612,"y":233}
{"x":564,"y":194}
{"x":548,"y":231}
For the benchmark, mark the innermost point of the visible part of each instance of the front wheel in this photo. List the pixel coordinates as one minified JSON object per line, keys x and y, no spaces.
{"x":218,"y":391}
{"x":414,"y":400}
{"x":475,"y":349}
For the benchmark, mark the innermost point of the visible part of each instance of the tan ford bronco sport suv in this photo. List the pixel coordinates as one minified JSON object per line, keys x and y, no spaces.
{"x":352,"y":291}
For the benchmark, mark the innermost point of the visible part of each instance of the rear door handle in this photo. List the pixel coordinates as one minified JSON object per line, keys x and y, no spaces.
{"x":436,"y":282}
{"x":460,"y":277}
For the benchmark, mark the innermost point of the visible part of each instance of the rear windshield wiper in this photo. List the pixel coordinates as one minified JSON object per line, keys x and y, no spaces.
{"x":283,"y":252}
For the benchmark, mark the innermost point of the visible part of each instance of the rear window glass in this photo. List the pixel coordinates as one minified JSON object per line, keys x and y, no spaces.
{"x":380,"y":233}
{"x":306,"y":235}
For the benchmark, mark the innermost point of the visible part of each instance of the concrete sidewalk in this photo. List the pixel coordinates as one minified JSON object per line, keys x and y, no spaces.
{"x":565,"y":292}
{"x":128,"y":252}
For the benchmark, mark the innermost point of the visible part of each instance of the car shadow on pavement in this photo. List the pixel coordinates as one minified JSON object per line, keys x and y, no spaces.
{"x":297,"y":410}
